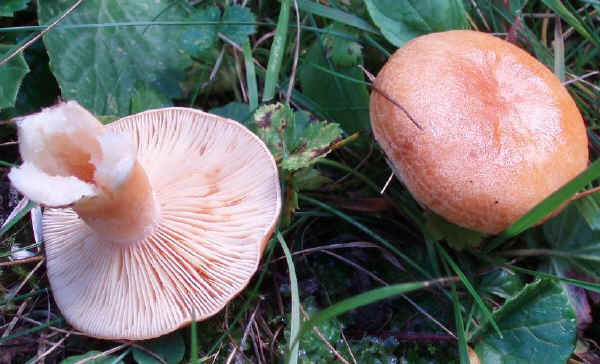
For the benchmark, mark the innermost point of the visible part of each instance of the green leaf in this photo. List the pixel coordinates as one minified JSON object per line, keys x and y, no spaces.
{"x":501,"y":282}
{"x":309,"y":179}
{"x":343,"y":52}
{"x":234,"y":110}
{"x":342,"y":100}
{"x":171,"y":348}
{"x":538,"y":326}
{"x":456,"y":236}
{"x":11,"y":76}
{"x":104,"y":360}
{"x":238,"y":33}
{"x":336,"y":14}
{"x":8,"y":7}
{"x":574,"y":242}
{"x":197,"y":39}
{"x":296,"y":139}
{"x":589,"y":208}
{"x":401,"y":21}
{"x":101,"y":67}
{"x":147,"y":98}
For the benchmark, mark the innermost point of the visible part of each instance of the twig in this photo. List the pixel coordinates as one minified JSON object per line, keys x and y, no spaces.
{"x":580,"y":78}
{"x":387,"y":183}
{"x":42,"y":33}
{"x":51,"y":349}
{"x":22,"y":261}
{"x":15,"y":319}
{"x":288,"y":95}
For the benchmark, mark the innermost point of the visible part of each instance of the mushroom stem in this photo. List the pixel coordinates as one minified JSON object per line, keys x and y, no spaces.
{"x":71,"y":160}
{"x":124,"y":215}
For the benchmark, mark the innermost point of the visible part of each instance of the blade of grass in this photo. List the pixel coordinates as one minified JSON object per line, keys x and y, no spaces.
{"x":460,"y":326}
{"x":194,"y":342}
{"x":337,"y":74}
{"x":363,"y":299}
{"x":250,"y":76}
{"x":277,"y":50}
{"x":292,"y":356}
{"x":486,"y":312}
{"x":16,"y":218}
{"x":548,"y":205}
{"x":6,"y":164}
{"x":574,"y":20}
{"x":337,"y":15}
{"x":368,"y":231}
{"x":32,"y":330}
{"x":37,"y":292}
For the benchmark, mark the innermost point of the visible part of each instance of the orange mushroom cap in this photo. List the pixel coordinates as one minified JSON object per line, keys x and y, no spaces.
{"x":499,"y":131}
{"x":170,"y":211}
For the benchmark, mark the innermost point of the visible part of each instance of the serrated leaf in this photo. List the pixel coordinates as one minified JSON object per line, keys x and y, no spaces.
{"x":147,"y":98}
{"x":589,"y":208}
{"x":9,"y":7}
{"x":538,"y":326}
{"x":171,"y":348}
{"x":11,"y":76}
{"x":104,"y":360}
{"x":101,"y":67}
{"x":197,"y":39}
{"x":343,"y":52}
{"x":315,"y":143}
{"x":456,"y":236}
{"x":297,"y":140}
{"x":237,"y":33}
{"x":401,"y":21}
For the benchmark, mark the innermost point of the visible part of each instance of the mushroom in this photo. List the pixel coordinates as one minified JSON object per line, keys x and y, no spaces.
{"x":155,"y":220}
{"x":499,"y":132}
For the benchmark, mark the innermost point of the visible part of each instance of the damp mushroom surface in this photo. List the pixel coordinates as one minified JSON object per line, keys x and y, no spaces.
{"x":491,"y":131}
{"x":152,"y":221}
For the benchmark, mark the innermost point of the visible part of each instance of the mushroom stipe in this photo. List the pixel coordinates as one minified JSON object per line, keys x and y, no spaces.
{"x":152,"y":221}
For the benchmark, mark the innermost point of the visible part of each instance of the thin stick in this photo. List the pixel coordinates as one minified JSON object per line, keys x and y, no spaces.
{"x":22,"y":261}
{"x":51,"y":349}
{"x":296,"y":54}
{"x":388,"y":97}
{"x":104,"y":353}
{"x":387,"y":183}
{"x":42,"y":33}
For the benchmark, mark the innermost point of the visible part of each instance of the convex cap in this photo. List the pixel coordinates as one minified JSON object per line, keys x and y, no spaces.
{"x":499,"y":131}
{"x":165,"y":214}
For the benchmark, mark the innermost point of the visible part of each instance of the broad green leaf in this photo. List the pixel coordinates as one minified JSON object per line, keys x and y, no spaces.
{"x":338,"y":15}
{"x":297,"y":140}
{"x":341,"y":100}
{"x":574,"y":242}
{"x":589,"y":208}
{"x":538,"y":326}
{"x":171,"y":348}
{"x":501,"y":282}
{"x":8,"y":7}
{"x":456,"y":236}
{"x":101,"y":67}
{"x":104,"y":360}
{"x":343,"y":52}
{"x":401,"y":21}
{"x":237,"y":33}
{"x":147,"y":98}
{"x":237,"y":111}
{"x":11,"y":76}
{"x":197,"y":39}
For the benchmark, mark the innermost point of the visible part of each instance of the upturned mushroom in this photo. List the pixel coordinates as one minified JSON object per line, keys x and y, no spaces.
{"x":154,"y":220}
{"x":499,"y":132}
